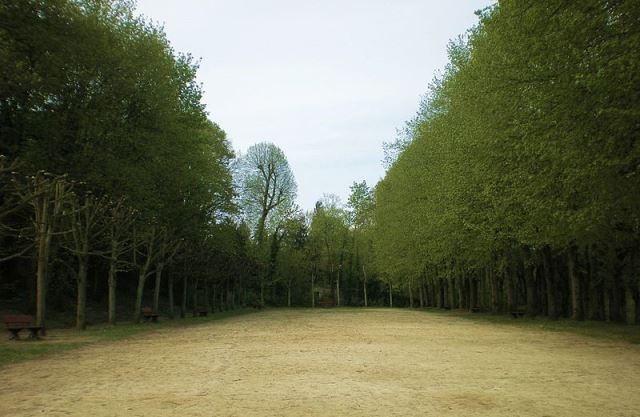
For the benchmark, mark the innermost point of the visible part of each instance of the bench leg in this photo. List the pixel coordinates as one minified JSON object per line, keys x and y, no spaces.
{"x":14,"y":334}
{"x":33,"y":334}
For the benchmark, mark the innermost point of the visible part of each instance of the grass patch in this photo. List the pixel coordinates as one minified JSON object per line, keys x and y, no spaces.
{"x":19,"y":351}
{"x":123,"y":331}
{"x":597,"y":329}
{"x":62,"y":340}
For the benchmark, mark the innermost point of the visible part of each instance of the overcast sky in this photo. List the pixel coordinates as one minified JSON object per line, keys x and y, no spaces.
{"x":327,"y":81}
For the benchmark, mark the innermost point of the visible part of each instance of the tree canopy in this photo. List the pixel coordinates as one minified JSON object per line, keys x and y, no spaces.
{"x":523,"y":154}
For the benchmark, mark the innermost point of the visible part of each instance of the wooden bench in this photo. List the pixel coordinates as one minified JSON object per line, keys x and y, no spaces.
{"x":518,"y":312}
{"x":149,"y":315}
{"x":17,"y":322}
{"x":326,"y":303}
{"x":475,"y":309}
{"x":202,"y":312}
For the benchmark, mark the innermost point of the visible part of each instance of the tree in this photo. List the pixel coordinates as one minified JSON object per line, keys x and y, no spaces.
{"x":120,"y":221}
{"x":267,"y":189}
{"x":329,"y":231}
{"x":14,"y":202}
{"x":49,"y":194}
{"x":293,"y":262}
{"x":94,"y":94}
{"x":361,"y":204}
{"x":86,"y":214}
{"x":518,"y":167}
{"x":154,"y":247}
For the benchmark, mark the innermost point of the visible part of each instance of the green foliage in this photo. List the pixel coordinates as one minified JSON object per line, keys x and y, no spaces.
{"x":266,"y":188}
{"x":92,"y":91}
{"x":527,"y":141}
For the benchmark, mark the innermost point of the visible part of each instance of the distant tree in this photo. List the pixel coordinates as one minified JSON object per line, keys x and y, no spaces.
{"x":329,"y":233}
{"x":266,"y":189}
{"x":361,"y":206}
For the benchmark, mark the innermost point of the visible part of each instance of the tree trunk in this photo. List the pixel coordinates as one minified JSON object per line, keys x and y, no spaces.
{"x":261,"y":223}
{"x":289,"y":295}
{"x":156,"y":291}
{"x":629,"y":305}
{"x":214,"y":298}
{"x":81,"y":307}
{"x":112,"y":283}
{"x":44,"y":247}
{"x":549,"y":276}
{"x":139,"y":293}
{"x":410,"y":295}
{"x":194,"y":300}
{"x":183,"y":306}
{"x":531,"y":278}
{"x":364,"y":286}
{"x":606,"y":294}
{"x":495,"y":304}
{"x":206,"y":303}
{"x":473,"y":293}
{"x":576,"y":304}
{"x":450,"y":293}
{"x":421,"y":293}
{"x":338,"y":289}
{"x":170,"y":291}
{"x":227,"y":302}
{"x":390,"y":295}
{"x":594,"y":308}
{"x":313,"y":294}
{"x":511,"y":303}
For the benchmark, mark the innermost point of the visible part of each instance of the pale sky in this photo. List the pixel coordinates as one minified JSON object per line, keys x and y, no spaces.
{"x":327,"y":81}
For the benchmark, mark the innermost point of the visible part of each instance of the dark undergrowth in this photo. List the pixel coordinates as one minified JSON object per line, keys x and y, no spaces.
{"x":597,"y":329}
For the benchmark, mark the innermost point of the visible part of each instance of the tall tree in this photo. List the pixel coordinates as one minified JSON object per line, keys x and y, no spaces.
{"x":361,"y":205}
{"x":267,"y":189}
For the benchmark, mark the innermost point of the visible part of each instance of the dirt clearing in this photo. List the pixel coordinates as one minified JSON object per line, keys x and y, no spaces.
{"x":333,"y":363}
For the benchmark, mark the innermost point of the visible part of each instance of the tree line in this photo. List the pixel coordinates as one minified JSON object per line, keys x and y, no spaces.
{"x":118,"y":192}
{"x":110,"y":166}
{"x":302,"y":258}
{"x":516,"y":184}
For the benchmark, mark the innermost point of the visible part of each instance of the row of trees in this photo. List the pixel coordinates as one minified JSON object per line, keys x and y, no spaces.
{"x":517,"y":183}
{"x":112,"y":177}
{"x":302,"y":258}
{"x":110,"y":166}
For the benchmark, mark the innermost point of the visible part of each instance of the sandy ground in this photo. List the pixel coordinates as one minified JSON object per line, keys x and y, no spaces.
{"x":333,"y":363}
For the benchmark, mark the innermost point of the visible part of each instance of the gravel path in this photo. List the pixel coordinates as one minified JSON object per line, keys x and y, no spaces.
{"x":333,"y":363}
